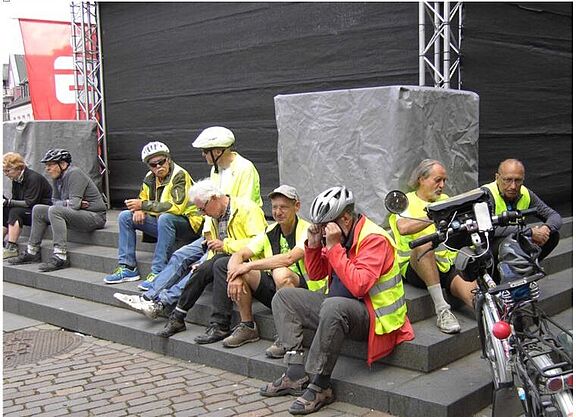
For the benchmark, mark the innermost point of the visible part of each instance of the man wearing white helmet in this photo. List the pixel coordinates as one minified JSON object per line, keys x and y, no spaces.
{"x":161,"y":210}
{"x":231,"y":172}
{"x":365,"y":300}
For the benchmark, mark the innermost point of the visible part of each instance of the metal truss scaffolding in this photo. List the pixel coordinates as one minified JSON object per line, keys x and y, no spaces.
{"x":440,"y":45}
{"x":88,"y":83}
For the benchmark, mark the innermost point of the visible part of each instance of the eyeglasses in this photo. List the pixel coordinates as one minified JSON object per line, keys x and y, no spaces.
{"x":202,"y":210}
{"x":157,"y":164}
{"x":510,"y":181}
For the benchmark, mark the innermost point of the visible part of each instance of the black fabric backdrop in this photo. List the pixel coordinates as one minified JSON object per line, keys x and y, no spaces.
{"x":172,"y":69}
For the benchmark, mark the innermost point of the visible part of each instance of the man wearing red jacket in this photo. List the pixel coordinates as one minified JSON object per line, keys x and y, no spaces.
{"x":365,"y":300}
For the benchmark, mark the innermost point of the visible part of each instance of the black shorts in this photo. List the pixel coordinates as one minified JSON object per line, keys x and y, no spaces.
{"x":446,"y":278}
{"x":267,"y":288}
{"x":22,"y":215}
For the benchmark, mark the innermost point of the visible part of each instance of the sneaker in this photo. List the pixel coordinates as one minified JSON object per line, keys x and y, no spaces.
{"x":149,"y":308}
{"x":313,"y":399}
{"x":213,"y":334}
{"x":54,"y":264}
{"x":241,"y":335}
{"x":447,"y":322}
{"x":10,"y":253}
{"x":173,"y":326}
{"x":122,"y":274}
{"x":147,"y":284}
{"x":276,"y":350}
{"x":25,"y":258}
{"x":284,"y":386}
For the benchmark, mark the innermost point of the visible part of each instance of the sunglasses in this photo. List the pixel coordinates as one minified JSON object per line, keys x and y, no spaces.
{"x":157,"y":164}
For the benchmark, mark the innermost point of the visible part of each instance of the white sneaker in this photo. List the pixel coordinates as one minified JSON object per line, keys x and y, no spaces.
{"x":148,"y":308}
{"x":447,"y":322}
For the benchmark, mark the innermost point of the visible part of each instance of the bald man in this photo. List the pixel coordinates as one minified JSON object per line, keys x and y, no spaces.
{"x":507,"y":192}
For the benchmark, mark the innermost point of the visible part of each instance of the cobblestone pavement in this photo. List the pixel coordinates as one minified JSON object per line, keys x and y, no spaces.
{"x":106,"y":378}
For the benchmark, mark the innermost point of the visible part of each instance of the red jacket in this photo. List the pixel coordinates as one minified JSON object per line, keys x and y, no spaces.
{"x":359,"y":273}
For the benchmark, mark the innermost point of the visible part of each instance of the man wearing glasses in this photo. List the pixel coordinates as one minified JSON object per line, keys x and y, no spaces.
{"x":507,"y":192}
{"x":161,"y":211}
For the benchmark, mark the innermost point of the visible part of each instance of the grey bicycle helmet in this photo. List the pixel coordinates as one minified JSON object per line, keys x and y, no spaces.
{"x":154,"y":148}
{"x":57,"y":155}
{"x":329,"y":204}
{"x":520,"y":254}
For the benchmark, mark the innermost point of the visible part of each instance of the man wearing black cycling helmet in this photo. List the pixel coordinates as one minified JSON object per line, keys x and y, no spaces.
{"x":507,"y":192}
{"x":76,"y":204}
{"x":365,"y":300}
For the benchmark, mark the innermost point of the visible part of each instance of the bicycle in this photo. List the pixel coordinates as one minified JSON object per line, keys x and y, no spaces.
{"x":530,"y":355}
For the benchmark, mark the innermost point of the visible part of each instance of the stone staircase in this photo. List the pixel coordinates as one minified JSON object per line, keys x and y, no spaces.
{"x":435,"y":375}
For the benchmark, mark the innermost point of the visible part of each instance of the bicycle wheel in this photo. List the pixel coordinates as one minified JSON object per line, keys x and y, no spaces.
{"x":562,"y":401}
{"x":494,"y":348}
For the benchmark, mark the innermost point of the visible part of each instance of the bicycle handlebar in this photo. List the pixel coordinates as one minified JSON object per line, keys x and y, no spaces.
{"x":502,"y":219}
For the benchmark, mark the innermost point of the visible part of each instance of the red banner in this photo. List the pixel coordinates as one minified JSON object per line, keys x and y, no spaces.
{"x":49,"y":63}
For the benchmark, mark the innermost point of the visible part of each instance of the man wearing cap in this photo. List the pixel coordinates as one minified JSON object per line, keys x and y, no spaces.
{"x":272,"y":260}
{"x":76,"y":204}
{"x":161,"y":211}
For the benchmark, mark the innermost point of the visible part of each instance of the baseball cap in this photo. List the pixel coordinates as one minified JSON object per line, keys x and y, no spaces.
{"x":287,"y":191}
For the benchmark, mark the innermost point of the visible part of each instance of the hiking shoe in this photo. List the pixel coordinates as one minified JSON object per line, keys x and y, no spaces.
{"x":284,"y":386}
{"x":25,"y":258}
{"x":213,"y":334}
{"x":10,"y":253}
{"x":312,"y":400}
{"x":149,"y":308}
{"x":241,"y":335}
{"x":147,"y":283}
{"x":122,"y":274}
{"x":276,"y":350}
{"x":54,"y":264}
{"x":447,"y":322}
{"x":173,"y":326}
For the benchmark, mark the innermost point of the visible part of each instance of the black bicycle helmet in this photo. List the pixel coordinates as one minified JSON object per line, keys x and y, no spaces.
{"x":520,"y":254}
{"x":329,"y":204}
{"x":57,"y":155}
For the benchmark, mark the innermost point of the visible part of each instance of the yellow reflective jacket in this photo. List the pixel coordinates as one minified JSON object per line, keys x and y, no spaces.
{"x":170,"y":196}
{"x":500,"y":205}
{"x":444,"y":258}
{"x":245,"y":222}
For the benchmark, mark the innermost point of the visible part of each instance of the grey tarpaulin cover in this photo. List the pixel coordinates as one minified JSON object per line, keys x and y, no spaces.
{"x":32,"y":140}
{"x":370,"y":139}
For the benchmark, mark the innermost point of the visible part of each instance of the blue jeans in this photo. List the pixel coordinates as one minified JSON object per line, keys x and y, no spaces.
{"x":168,"y":284}
{"x":165,"y":228}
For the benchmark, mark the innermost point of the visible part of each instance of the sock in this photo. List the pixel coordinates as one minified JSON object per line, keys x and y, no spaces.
{"x":248,"y":324}
{"x":61,"y":256}
{"x":179,"y":314}
{"x":32,"y":250}
{"x":323,"y":381}
{"x":131,"y":268}
{"x":438,"y":298}
{"x":295,"y":371}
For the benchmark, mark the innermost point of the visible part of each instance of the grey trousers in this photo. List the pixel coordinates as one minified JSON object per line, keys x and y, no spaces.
{"x":333,"y":318}
{"x":62,"y":218}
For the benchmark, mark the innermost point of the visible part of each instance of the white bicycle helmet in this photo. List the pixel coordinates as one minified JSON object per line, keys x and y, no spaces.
{"x":154,"y":148}
{"x":329,"y":204}
{"x":214,"y":137}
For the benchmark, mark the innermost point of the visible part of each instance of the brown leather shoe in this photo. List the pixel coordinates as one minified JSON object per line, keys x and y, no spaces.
{"x":284,"y":386}
{"x":322,"y":397}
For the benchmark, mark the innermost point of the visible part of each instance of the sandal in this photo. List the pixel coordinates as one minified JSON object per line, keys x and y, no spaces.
{"x":322,"y":397}
{"x":284,"y":386}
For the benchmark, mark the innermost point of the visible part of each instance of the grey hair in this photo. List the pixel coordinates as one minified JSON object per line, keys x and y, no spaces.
{"x":204,"y":190}
{"x":422,"y":171}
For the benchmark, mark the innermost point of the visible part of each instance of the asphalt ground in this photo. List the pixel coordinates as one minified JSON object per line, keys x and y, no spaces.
{"x":86,"y":376}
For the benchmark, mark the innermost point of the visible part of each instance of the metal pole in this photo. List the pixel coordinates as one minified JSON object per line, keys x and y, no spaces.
{"x":84,"y":66}
{"x":102,"y":107}
{"x":74,"y":48}
{"x":421,"y":43}
{"x":446,"y":44}
{"x":437,"y":44}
